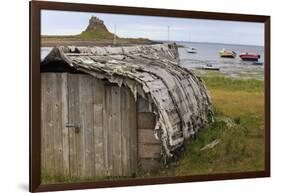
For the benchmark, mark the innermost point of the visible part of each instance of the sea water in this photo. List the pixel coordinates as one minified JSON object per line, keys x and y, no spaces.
{"x":208,"y":53}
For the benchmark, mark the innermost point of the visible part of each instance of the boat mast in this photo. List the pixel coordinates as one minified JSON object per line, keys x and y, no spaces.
{"x":168,"y":33}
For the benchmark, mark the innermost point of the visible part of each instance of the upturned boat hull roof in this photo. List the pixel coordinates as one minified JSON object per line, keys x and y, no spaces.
{"x":181,"y":103}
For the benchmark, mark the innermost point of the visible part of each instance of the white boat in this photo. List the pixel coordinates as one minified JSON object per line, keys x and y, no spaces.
{"x":191,"y":50}
{"x":210,"y":67}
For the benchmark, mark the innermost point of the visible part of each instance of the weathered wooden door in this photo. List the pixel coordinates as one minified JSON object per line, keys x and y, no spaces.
{"x":90,"y":130}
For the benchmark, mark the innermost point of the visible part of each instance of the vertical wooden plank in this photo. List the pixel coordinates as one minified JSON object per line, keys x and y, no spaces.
{"x":126,"y":165}
{"x":79,"y":134}
{"x":48,"y":124}
{"x":57,"y":125}
{"x":98,"y":89}
{"x":105,"y":131}
{"x":43,"y":122}
{"x":53,"y":115}
{"x":133,"y":132}
{"x":116,"y":118}
{"x":110,"y":126}
{"x":51,"y":124}
{"x":143,"y":105}
{"x":86,"y":139}
{"x":65,"y":138}
{"x":73,"y":104}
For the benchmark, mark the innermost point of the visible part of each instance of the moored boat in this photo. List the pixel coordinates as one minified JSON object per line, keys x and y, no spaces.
{"x":210,"y":67}
{"x":258,"y":63}
{"x":191,"y":50}
{"x":249,"y":56}
{"x":227,"y":54}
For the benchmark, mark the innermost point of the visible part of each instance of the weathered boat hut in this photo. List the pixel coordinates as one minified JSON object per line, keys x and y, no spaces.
{"x":108,"y":111}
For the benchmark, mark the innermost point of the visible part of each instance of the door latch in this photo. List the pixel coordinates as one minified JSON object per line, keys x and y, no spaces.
{"x":76,"y":127}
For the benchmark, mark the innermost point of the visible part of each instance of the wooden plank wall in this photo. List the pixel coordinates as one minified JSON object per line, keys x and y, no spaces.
{"x":52,"y":135}
{"x":89,"y":128}
{"x":149,"y":148}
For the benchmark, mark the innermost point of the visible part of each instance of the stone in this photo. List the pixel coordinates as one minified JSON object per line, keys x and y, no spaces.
{"x":95,"y":23}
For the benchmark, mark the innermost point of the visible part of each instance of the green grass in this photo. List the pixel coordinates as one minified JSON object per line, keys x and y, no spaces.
{"x":243,"y":100}
{"x":223,"y":158}
{"x":220,"y":82}
{"x":53,"y":179}
{"x":97,"y":35}
{"x":59,"y":36}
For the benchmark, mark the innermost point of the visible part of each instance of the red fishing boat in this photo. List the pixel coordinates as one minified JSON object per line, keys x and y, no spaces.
{"x":249,"y":56}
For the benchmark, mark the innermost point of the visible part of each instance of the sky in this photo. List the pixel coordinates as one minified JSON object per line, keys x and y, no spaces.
{"x":156,"y":28}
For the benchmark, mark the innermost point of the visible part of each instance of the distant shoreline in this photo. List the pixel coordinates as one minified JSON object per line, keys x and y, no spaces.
{"x":90,"y":43}
{"x":216,"y":43}
{"x":59,"y":41}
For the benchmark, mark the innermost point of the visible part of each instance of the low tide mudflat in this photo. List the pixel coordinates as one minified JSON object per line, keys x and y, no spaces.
{"x":207,"y":53}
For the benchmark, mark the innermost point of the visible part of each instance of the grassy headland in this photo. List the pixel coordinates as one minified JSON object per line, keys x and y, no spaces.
{"x":96,"y":34}
{"x":90,"y":39}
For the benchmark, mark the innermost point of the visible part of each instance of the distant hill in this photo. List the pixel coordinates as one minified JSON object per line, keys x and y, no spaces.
{"x":96,"y":30}
{"x":96,"y":33}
